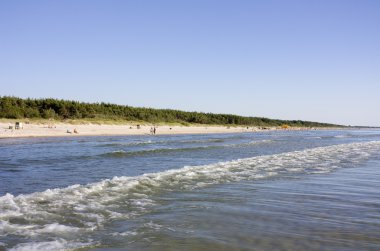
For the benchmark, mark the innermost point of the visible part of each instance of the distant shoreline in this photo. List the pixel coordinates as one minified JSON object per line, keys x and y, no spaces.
{"x":61,"y":129}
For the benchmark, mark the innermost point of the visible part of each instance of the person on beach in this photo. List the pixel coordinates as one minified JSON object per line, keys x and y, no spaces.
{"x":151,"y":130}
{"x":154,"y":130}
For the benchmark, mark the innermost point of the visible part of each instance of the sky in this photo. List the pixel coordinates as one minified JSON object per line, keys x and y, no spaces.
{"x":316,"y":60}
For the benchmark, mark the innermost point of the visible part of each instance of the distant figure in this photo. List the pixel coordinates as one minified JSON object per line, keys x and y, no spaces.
{"x":18,"y":125}
{"x":151,"y":130}
{"x":68,"y":131}
{"x":154,"y":130}
{"x":75,"y":130}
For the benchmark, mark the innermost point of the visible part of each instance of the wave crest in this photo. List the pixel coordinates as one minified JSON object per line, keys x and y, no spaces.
{"x":90,"y":206}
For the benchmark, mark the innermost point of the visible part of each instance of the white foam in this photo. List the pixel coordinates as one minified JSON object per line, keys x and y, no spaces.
{"x":142,"y":202}
{"x":16,"y":229}
{"x":255,"y":142}
{"x":118,"y":151}
{"x":55,"y":228}
{"x":58,"y":244}
{"x":341,"y":136}
{"x":44,"y":213}
{"x":251,"y":143}
{"x":126,"y":233}
{"x":153,"y":226}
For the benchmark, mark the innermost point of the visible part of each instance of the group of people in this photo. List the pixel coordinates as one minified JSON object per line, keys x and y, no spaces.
{"x":75,"y":131}
{"x":153,"y":130}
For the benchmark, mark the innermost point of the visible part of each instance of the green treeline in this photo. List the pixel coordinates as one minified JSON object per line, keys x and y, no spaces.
{"x":17,"y":108}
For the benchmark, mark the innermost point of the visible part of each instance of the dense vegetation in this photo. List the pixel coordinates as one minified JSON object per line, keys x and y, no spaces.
{"x":17,"y":108}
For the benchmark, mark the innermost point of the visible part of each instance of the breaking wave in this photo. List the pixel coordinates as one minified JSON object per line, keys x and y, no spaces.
{"x":152,"y":142}
{"x":123,"y":153}
{"x":88,"y":207}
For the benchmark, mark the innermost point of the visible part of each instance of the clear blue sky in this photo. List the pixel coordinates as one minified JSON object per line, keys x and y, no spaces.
{"x":310,"y":60}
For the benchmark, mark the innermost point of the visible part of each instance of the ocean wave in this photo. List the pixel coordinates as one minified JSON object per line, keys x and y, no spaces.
{"x":122,"y":153}
{"x":58,"y":244}
{"x":342,"y":136}
{"x":152,"y":142}
{"x":119,"y":144}
{"x":203,"y":141}
{"x":257,"y":142}
{"x":44,"y":214}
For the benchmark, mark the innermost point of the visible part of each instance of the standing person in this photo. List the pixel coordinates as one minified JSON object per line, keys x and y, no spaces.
{"x":151,"y":130}
{"x":154,"y":130}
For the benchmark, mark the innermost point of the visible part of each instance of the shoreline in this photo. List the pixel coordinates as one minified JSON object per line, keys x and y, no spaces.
{"x":61,"y":129}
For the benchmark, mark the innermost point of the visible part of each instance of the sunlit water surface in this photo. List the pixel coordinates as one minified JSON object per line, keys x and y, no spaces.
{"x":288,"y":190}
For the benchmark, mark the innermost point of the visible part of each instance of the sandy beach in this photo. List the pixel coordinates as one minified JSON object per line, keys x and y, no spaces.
{"x":65,"y":129}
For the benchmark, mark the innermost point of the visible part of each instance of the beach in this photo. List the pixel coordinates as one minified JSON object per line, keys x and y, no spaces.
{"x":90,"y":129}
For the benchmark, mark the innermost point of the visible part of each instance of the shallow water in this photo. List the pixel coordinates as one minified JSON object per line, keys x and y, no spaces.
{"x":291,"y":190}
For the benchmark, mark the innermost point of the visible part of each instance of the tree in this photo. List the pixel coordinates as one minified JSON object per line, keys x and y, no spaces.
{"x":49,"y":114}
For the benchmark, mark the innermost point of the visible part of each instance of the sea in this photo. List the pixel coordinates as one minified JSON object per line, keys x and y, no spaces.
{"x":269,"y":190}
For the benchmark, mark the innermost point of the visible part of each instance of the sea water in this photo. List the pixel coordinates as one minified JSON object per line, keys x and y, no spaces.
{"x":282,"y":190}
